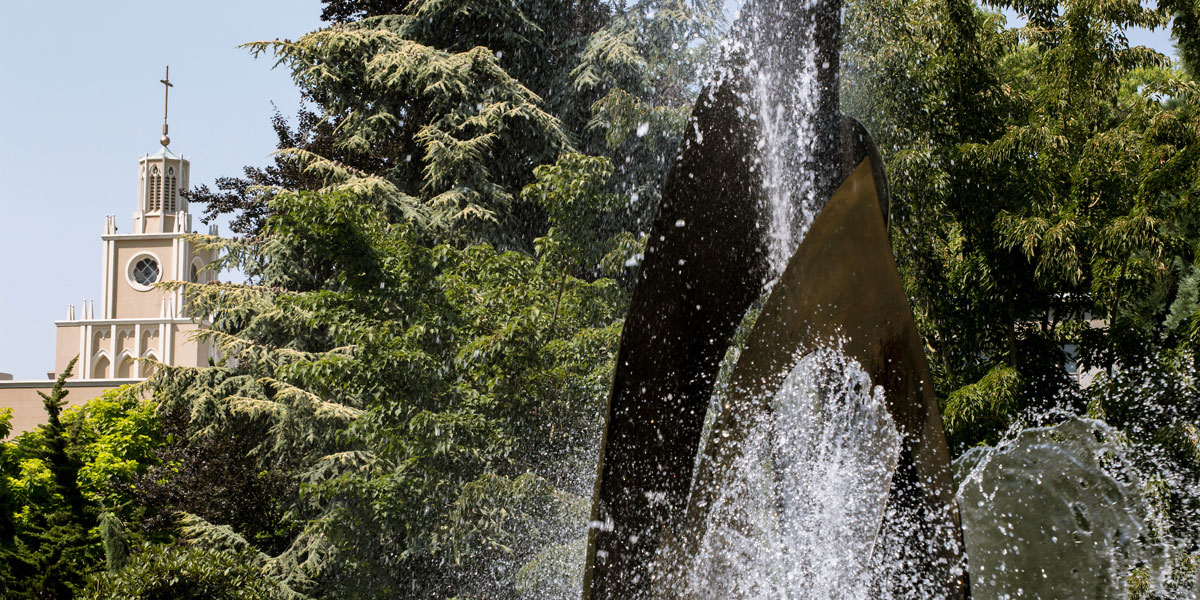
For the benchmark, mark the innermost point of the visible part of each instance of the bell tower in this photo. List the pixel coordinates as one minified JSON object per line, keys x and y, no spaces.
{"x":140,"y":324}
{"x":138,"y":319}
{"x":162,"y":180}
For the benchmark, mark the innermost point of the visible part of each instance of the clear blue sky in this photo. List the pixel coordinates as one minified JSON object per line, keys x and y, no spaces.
{"x":80,"y":101}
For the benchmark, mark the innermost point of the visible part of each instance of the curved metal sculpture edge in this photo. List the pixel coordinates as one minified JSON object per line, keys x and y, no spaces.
{"x":703,"y":267}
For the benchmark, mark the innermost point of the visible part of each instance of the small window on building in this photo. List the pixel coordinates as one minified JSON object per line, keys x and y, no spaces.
{"x":154,"y":192}
{"x":1072,"y":364}
{"x":145,"y":272}
{"x":100,"y":370}
{"x":172,"y":193}
{"x":125,"y":369}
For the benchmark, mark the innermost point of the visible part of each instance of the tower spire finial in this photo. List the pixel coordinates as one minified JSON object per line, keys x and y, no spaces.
{"x":167,"y":85}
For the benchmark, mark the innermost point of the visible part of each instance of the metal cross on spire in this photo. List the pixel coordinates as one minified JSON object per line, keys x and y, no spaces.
{"x":167,"y":85}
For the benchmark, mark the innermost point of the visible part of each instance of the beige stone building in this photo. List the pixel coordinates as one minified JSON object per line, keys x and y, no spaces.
{"x":137,"y":324}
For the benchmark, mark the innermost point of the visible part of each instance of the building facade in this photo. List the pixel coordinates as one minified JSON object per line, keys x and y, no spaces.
{"x":138,"y":325}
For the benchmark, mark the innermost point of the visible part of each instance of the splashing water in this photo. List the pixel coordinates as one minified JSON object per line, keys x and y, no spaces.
{"x":801,"y":513}
{"x":1058,"y":512}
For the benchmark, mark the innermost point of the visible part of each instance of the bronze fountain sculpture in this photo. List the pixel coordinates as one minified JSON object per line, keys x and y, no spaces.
{"x":704,"y":266}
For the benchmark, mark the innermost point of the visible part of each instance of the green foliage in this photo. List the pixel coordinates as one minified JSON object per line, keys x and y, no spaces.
{"x":160,"y":571}
{"x":1185,"y":16}
{"x":50,"y":547}
{"x":399,"y":381}
{"x":503,"y":524}
{"x":984,"y":410}
{"x":1044,"y":219}
{"x":583,"y":240}
{"x":1044,"y":185}
{"x":555,"y":572}
{"x":118,"y":434}
{"x":442,"y":109}
{"x":645,"y":67}
{"x":9,"y":559}
{"x":469,"y":132}
{"x":59,"y":477}
{"x":435,"y":407}
{"x":64,"y":468}
{"x":1156,"y":405}
{"x":413,"y":375}
{"x":247,"y":198}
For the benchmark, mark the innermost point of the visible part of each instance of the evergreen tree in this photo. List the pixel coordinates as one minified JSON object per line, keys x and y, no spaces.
{"x":406,"y":388}
{"x":116,"y":545}
{"x":90,"y":454}
{"x":611,"y":80}
{"x":247,"y":198}
{"x":10,"y":559}
{"x":426,"y":97}
{"x":646,"y":65}
{"x":438,"y":264}
{"x":65,"y":468}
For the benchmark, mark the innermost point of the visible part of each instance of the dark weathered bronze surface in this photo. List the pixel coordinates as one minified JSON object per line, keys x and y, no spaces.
{"x":703,"y":267}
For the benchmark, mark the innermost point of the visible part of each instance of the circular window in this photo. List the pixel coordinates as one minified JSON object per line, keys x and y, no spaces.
{"x":145,"y":271}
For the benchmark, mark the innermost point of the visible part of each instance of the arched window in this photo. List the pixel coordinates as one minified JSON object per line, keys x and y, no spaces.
{"x":154,"y":191}
{"x":170,"y":200}
{"x":125,"y":368}
{"x":148,"y":367}
{"x":149,"y":340}
{"x":100,"y":367}
{"x":124,"y":339}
